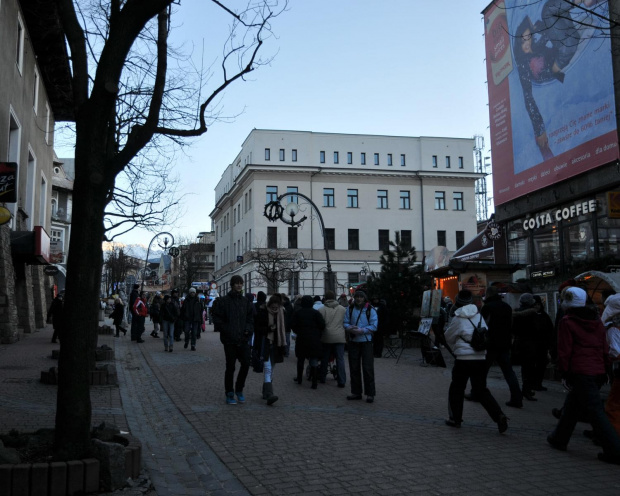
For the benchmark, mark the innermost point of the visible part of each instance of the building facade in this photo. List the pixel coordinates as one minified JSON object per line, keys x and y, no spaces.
{"x":365,"y":187}
{"x":556,"y":180}
{"x":35,"y":82}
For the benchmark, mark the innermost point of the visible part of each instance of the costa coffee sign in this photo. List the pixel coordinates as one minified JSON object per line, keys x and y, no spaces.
{"x":565,"y":213}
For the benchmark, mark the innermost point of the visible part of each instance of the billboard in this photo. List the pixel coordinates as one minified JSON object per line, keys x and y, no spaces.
{"x":551,"y":93}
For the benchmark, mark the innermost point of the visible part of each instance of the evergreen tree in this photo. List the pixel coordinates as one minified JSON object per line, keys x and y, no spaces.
{"x":400,"y":282}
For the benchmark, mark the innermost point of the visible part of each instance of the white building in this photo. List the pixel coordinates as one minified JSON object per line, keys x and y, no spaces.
{"x":366,"y":187}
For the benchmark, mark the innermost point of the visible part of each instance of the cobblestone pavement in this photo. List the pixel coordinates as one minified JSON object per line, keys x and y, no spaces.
{"x":311,"y":442}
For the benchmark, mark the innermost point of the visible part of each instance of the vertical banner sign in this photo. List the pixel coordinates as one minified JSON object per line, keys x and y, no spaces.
{"x":8,"y":182}
{"x":551,"y":92}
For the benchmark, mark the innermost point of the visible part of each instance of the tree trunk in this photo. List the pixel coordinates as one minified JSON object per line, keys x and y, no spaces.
{"x":76,"y":360}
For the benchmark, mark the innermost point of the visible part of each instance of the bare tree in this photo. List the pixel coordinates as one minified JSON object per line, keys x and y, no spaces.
{"x":124,"y":100}
{"x":192,"y":262}
{"x":117,"y":266}
{"x":272,"y":267}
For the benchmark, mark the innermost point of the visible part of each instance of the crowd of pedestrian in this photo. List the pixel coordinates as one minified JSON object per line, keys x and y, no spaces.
{"x":584,"y":345}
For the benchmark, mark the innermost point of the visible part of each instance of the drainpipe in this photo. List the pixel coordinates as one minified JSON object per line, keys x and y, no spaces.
{"x":417,"y":174}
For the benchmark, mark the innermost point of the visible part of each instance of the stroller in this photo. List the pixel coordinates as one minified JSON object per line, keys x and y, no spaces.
{"x":331,"y":367}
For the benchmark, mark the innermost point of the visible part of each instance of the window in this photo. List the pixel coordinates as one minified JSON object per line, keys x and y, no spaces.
{"x":382,"y":198}
{"x":292,"y":198}
{"x":322,"y":157}
{"x":336,"y":157}
{"x":354,"y":239}
{"x":440,"y":200}
{"x":292,"y":237}
{"x":434,"y":160}
{"x":330,"y":238}
{"x":47,"y":124}
{"x":384,"y":239}
{"x":405,"y":239}
{"x":460,"y":239}
{"x":460,"y":162}
{"x":267,"y":154}
{"x":294,"y":155}
{"x":272,"y":194}
{"x":405,"y":200}
{"x":272,"y":237}
{"x":19,"y":54}
{"x":441,"y":238}
{"x":447,"y":162}
{"x":349,"y":158}
{"x":363,"y":158}
{"x":403,"y":162}
{"x":43,"y":204}
{"x":389,"y":159}
{"x":376,"y":159}
{"x":458,"y":200}
{"x":353,"y":277}
{"x":250,"y":198}
{"x":352,"y":198}
{"x":281,"y":154}
{"x":328,"y":197}
{"x":35,"y":91}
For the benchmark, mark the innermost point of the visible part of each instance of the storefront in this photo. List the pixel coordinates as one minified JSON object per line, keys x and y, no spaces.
{"x":569,"y":238}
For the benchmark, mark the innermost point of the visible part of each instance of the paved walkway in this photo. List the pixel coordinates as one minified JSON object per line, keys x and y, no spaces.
{"x":311,"y":442}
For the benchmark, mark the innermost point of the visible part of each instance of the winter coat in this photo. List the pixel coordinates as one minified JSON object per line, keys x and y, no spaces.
{"x":55,"y":312}
{"x":192,"y":309}
{"x":169,"y":311}
{"x":233,"y":317}
{"x":582,"y":342}
{"x":333,"y":314}
{"x":365,"y":319}
{"x":498,"y":316}
{"x":459,"y":332}
{"x":155,"y":308}
{"x":139,"y":308}
{"x":308,"y":324}
{"x":118,"y":313}
{"x":270,"y":350}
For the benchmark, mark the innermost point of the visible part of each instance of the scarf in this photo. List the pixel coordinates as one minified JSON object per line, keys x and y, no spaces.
{"x":277,"y":318}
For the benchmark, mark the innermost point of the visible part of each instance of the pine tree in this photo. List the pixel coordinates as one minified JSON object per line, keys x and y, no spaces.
{"x":400,"y":282}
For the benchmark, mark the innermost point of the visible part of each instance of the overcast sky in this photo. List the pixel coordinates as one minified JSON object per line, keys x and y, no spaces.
{"x":387,"y":67}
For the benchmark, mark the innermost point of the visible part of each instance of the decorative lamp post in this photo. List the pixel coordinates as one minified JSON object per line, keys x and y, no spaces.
{"x":274,"y":211}
{"x":163,"y":246}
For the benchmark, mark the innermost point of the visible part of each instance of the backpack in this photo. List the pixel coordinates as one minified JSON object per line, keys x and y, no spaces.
{"x":368,"y":309}
{"x":479,"y":338}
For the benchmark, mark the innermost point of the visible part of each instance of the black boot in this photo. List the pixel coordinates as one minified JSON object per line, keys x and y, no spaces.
{"x":314,"y":376}
{"x":268,"y":391}
{"x":300,"y":373}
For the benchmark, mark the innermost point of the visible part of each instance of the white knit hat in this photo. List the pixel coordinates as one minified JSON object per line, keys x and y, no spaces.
{"x":573,"y":297}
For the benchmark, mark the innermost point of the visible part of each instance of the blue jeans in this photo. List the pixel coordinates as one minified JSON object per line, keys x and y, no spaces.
{"x":503,"y":360}
{"x":585,"y":397}
{"x":362,"y":362}
{"x":191,"y":331}
{"x":337,"y":349}
{"x":168,"y":330}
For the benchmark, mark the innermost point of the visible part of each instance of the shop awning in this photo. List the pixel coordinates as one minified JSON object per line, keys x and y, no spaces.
{"x":594,"y":281}
{"x":479,"y":249}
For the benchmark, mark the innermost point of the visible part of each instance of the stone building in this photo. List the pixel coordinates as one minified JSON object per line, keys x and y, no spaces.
{"x":36,"y":92}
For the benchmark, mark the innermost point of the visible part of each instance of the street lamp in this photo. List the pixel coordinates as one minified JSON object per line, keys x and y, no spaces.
{"x":274,"y":210}
{"x":159,"y":243}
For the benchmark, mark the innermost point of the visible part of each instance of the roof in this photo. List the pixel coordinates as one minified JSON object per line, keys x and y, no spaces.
{"x":48,"y":41}
{"x":479,"y":249}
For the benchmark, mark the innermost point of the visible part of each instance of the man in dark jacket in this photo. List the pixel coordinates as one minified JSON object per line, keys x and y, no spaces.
{"x":55,"y":314}
{"x":233,"y":317}
{"x":525,"y":329}
{"x":133,"y":296}
{"x":498,"y":316}
{"x":191,"y":313}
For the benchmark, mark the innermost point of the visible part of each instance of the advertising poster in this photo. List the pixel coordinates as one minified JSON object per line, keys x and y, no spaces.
{"x":551,"y":93}
{"x":475,"y":282}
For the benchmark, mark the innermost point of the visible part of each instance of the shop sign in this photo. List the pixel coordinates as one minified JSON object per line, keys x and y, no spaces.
{"x":8,"y":181}
{"x":565,"y":213}
{"x":542,"y":273}
{"x":5,"y":215}
{"x":613,"y":204}
{"x":51,"y":270}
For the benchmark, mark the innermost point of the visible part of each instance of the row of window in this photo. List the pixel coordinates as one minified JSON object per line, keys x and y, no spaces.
{"x":353,"y":241}
{"x":349,"y":158}
{"x":329,"y":198}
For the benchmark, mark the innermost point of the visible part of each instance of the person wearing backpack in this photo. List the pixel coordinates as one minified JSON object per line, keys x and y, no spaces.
{"x":360,"y":323}
{"x":465,"y":336}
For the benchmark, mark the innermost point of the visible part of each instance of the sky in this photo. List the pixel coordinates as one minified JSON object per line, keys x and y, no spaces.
{"x":386,"y":67}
